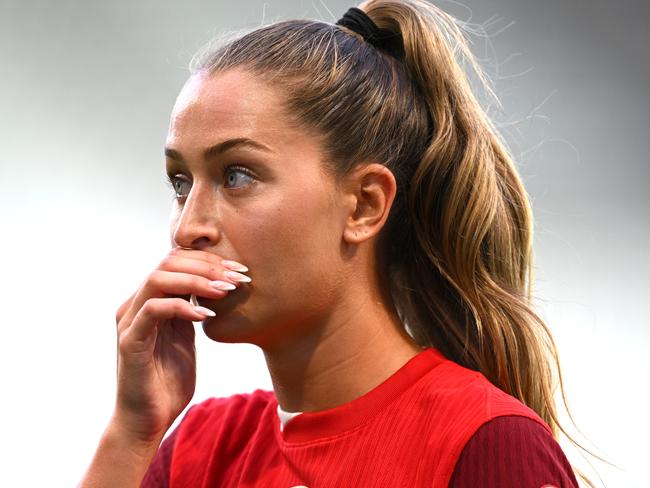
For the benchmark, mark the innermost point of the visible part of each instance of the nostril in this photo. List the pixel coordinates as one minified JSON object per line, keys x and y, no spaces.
{"x":201,"y":243}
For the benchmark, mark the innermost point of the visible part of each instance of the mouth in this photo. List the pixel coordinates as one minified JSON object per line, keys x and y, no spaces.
{"x":227,"y":303}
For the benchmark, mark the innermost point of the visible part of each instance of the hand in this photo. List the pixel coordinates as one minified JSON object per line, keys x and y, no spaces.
{"x":156,"y":358}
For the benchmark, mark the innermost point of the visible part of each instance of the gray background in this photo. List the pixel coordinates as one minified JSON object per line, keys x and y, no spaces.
{"x":86,"y":88}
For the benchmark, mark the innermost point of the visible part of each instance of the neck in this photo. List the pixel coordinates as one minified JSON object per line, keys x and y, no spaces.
{"x":355,"y":348}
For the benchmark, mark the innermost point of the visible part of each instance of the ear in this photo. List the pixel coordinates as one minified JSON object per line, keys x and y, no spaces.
{"x":371,"y":188}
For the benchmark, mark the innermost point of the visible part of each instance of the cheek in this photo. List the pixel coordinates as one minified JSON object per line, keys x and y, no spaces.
{"x":172,"y":226}
{"x":292,"y":246}
{"x":174,"y":215}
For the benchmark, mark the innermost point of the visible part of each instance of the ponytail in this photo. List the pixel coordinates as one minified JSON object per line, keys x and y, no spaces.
{"x":466,"y":287}
{"x":456,"y":250}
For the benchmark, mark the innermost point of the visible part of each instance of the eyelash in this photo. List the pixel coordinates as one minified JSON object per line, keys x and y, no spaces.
{"x":242,"y":169}
{"x":171,"y":179}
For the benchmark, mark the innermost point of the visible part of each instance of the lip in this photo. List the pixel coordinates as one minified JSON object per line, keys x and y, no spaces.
{"x":194,"y":300}
{"x":230,"y":301}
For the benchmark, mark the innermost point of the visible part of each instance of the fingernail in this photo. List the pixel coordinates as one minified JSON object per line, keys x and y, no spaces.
{"x":235,"y":276}
{"x":234,"y":265}
{"x":205,"y":311}
{"x":222,"y":285}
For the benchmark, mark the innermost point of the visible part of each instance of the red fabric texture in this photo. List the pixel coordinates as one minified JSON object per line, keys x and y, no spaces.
{"x":513,"y":452}
{"x":509,"y":451}
{"x":408,"y":431}
{"x":157,"y":476}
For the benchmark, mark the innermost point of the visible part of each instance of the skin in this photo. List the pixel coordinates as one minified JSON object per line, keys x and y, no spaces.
{"x":315,"y":305}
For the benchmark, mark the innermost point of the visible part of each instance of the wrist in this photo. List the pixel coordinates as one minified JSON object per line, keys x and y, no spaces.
{"x":118,"y":437}
{"x":121,"y":460}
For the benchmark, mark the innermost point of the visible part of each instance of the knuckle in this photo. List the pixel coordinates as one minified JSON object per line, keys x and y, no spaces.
{"x":166,"y":262}
{"x":149,"y":307}
{"x":178,"y":305}
{"x":120,"y":312}
{"x":154,"y":279}
{"x":122,"y":309}
{"x":123,"y":343}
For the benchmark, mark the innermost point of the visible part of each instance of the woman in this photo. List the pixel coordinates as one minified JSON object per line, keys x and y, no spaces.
{"x":342,"y":202}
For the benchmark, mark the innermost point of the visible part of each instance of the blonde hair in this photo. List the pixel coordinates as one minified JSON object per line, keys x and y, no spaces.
{"x":456,"y":250}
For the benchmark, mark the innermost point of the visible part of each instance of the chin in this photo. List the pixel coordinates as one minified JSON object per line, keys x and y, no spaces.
{"x":232,"y":323}
{"x":230,"y":327}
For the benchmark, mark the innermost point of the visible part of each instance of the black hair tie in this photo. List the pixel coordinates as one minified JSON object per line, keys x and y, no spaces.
{"x":358,"y":21}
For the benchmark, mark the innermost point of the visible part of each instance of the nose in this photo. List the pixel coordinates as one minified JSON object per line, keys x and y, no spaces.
{"x":197,"y":224}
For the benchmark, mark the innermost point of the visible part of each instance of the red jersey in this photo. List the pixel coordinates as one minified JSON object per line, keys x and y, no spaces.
{"x":409,"y":431}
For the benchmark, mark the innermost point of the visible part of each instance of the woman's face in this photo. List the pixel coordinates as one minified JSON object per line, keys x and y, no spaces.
{"x":267,"y":204}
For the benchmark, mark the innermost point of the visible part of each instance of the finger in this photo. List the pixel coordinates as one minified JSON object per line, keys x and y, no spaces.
{"x":225,"y":274}
{"x":227,"y":270}
{"x":209,"y":258}
{"x":141,"y":334}
{"x":165,"y":284}
{"x":199,"y":267}
{"x":170,"y":283}
{"x":197,"y":254}
{"x":123,"y":309}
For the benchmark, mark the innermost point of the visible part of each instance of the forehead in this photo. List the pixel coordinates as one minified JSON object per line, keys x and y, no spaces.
{"x":227,"y":104}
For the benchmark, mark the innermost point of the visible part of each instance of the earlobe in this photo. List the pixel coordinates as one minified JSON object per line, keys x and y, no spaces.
{"x":374,"y":188}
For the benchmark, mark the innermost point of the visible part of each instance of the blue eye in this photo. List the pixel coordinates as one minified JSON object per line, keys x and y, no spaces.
{"x":176,"y":184}
{"x":237,"y":176}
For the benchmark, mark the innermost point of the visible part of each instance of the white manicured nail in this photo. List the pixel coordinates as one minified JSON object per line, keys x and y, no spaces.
{"x":234,"y":265}
{"x":222,"y":285}
{"x":235,"y":276}
{"x":205,"y":311}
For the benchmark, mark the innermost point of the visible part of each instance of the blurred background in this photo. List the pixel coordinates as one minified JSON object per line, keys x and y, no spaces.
{"x":86,"y":88}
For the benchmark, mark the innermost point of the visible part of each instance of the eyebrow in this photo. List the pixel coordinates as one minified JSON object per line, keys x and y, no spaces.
{"x":221,"y":147}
